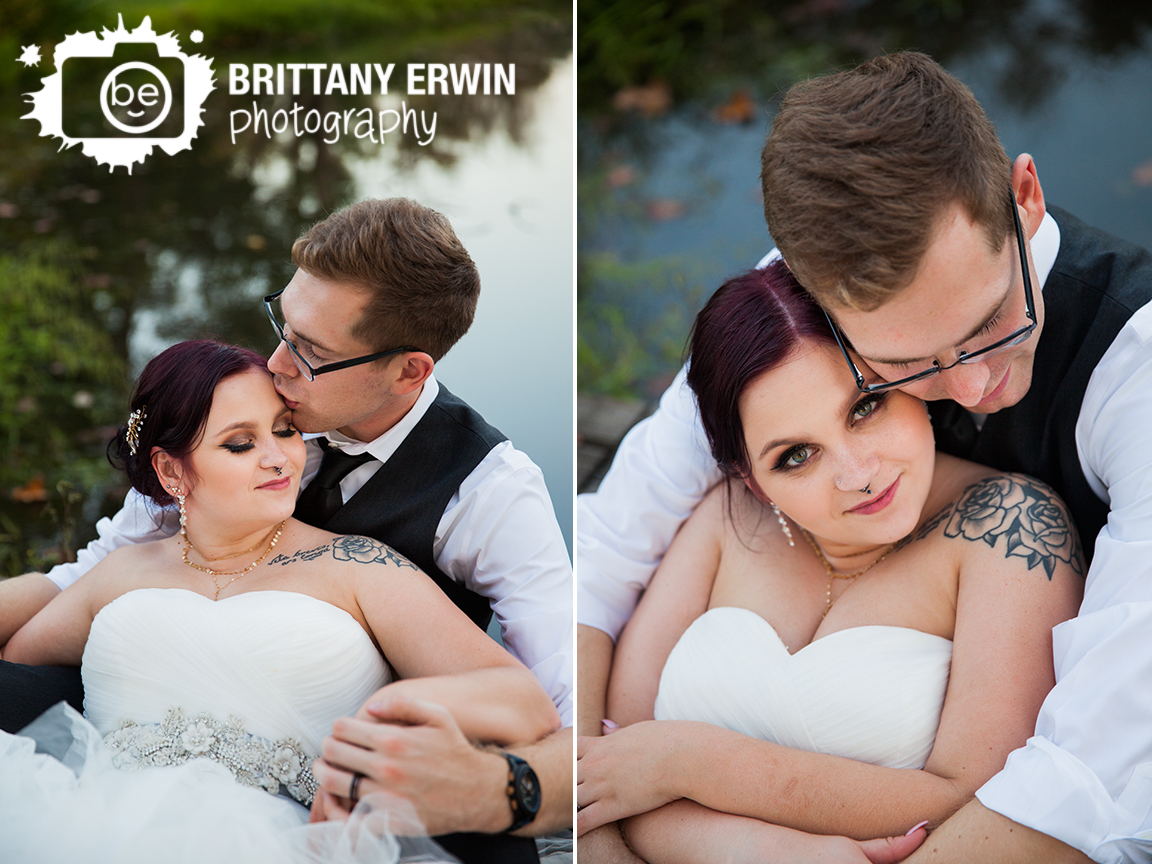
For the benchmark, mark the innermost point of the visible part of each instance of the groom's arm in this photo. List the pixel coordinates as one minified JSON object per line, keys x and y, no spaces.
{"x":976,"y":833}
{"x":139,"y":520}
{"x":415,"y":750}
{"x":660,"y":472}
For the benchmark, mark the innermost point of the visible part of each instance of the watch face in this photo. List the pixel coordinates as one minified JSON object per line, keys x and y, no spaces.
{"x":528,"y":787}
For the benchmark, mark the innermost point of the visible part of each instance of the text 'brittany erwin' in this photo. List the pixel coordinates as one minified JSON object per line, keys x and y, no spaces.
{"x":424,"y":79}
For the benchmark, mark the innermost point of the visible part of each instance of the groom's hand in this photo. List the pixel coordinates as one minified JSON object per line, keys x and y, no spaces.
{"x":414,"y":749}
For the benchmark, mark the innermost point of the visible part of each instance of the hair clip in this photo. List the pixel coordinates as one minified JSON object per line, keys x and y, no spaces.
{"x":135,"y":421}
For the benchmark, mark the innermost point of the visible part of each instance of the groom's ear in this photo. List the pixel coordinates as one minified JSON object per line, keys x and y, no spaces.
{"x":168,"y":469}
{"x":411,"y":370}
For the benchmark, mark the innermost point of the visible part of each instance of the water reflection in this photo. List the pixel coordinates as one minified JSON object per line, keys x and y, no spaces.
{"x":110,"y":267}
{"x":672,"y":120}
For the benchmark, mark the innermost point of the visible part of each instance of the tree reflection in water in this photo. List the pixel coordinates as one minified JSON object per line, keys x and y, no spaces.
{"x":188,"y":243}
{"x":664,"y":89}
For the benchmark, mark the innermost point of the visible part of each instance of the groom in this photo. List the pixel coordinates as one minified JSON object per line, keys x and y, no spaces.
{"x":383,"y":290}
{"x":887,"y":192}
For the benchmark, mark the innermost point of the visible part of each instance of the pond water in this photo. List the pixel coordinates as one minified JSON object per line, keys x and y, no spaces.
{"x":100,"y":269}
{"x":675,"y":204}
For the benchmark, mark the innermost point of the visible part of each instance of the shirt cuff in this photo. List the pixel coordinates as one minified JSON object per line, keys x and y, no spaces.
{"x":1045,"y":788}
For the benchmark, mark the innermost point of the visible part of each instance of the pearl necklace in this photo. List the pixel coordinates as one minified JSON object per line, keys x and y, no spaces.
{"x":235,"y":574}
{"x":833,"y":576}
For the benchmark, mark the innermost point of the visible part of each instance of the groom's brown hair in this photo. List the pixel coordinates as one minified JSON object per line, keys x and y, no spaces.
{"x":860,"y":165}
{"x":422,"y":282}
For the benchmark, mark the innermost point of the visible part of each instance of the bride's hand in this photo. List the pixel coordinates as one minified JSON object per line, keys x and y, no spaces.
{"x":625,"y":773}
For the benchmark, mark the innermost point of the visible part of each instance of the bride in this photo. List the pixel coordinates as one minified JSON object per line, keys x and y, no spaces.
{"x":847,"y":637}
{"x":218,"y":658}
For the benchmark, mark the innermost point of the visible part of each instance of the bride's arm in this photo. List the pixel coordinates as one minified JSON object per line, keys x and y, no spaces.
{"x":442,"y":657}
{"x":57,"y":634}
{"x":1010,"y":596}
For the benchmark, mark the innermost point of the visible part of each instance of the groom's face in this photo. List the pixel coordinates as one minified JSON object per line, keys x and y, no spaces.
{"x":964,"y":296}
{"x":318,"y":318}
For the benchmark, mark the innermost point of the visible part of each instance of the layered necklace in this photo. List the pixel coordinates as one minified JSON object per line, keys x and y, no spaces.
{"x":235,"y":574}
{"x":833,"y":576}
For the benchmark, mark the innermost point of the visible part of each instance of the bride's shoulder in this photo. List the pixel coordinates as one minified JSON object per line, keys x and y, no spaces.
{"x":307,"y":544}
{"x":731,"y":515}
{"x":1001,"y":514}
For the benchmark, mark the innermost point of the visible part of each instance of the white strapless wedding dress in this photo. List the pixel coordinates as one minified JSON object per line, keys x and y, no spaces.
{"x":873,"y":694}
{"x":216,"y":705}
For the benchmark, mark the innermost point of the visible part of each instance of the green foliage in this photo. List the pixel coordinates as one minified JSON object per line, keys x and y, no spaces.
{"x":62,"y":389}
{"x":625,"y":345}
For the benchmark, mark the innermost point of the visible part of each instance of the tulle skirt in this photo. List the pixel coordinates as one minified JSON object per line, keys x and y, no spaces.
{"x":63,"y":802}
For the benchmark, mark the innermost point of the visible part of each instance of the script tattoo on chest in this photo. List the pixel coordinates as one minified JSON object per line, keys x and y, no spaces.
{"x":363,"y":550}
{"x":1031,"y":520}
{"x":300,"y":555}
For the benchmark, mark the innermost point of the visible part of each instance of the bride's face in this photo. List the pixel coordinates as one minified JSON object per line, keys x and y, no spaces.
{"x":815,"y":442}
{"x":248,"y":436}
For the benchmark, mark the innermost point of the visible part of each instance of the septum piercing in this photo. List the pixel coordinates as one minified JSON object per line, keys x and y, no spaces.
{"x":279,"y":472}
{"x":867,"y":490}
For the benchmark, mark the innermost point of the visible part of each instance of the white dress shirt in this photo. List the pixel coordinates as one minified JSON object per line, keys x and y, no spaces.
{"x":1086,"y":776}
{"x":498,"y":537}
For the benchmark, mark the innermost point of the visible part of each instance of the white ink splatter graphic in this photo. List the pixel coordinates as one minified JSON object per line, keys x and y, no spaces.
{"x":134,"y":97}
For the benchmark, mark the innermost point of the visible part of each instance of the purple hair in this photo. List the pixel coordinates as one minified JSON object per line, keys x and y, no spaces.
{"x":175,"y":390}
{"x":751,"y":324}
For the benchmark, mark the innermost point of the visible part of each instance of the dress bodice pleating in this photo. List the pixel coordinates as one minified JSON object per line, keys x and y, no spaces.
{"x":871,"y":693}
{"x":283,"y":664}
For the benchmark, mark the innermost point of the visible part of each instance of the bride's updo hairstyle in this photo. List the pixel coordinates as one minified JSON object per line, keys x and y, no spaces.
{"x":174,"y":394}
{"x":750,"y":325}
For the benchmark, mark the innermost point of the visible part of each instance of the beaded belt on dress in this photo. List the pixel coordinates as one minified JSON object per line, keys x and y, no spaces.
{"x":254,"y":761}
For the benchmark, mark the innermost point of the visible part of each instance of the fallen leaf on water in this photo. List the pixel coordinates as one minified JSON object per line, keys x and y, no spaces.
{"x":649,"y":99}
{"x":662,"y":209}
{"x":31,"y":492}
{"x":621,"y":175}
{"x":738,"y":109}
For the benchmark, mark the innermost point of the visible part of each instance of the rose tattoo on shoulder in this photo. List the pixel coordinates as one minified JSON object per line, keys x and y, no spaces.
{"x":1033,"y":522}
{"x":365,"y":550}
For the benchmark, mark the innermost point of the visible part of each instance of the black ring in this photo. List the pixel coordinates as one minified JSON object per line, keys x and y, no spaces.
{"x":354,"y":789}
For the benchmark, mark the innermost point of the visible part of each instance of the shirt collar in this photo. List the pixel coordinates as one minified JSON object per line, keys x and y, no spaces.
{"x":384,"y":446}
{"x":1045,"y":245}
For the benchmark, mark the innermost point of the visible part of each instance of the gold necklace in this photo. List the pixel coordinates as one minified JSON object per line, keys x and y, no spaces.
{"x":833,"y":576}
{"x":251,"y":548}
{"x":235,"y":574}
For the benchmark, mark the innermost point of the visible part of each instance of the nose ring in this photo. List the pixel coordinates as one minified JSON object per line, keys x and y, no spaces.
{"x":279,"y":471}
{"x":867,"y":490}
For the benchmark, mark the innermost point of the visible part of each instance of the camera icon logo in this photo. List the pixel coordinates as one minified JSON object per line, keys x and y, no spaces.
{"x":121,"y":93}
{"x":135,"y":92}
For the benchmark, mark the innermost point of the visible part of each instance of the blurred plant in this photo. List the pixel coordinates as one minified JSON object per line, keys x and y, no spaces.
{"x":62,"y":389}
{"x":626,"y":346}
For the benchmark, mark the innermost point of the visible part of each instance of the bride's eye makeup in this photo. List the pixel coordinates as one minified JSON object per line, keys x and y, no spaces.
{"x":289,"y":432}
{"x":794,"y":457}
{"x":867,"y":406}
{"x":238,"y":447}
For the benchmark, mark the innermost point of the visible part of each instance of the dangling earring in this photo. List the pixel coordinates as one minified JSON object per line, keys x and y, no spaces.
{"x":183,"y":511}
{"x":783,"y":523}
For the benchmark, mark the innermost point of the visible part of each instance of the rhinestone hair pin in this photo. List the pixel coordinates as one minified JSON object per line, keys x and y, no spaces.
{"x":135,"y":421}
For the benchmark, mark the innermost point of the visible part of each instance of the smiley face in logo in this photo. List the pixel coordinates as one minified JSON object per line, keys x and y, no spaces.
{"x":135,"y":97}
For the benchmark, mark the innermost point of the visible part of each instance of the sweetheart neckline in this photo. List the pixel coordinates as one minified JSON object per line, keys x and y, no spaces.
{"x":209,"y":600}
{"x":802,"y":648}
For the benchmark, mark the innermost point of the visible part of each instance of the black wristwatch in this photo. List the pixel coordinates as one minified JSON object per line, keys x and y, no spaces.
{"x":523,"y":791}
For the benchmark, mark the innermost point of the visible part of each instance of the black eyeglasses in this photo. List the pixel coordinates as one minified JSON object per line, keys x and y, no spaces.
{"x":306,"y":368}
{"x":1009,"y":341}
